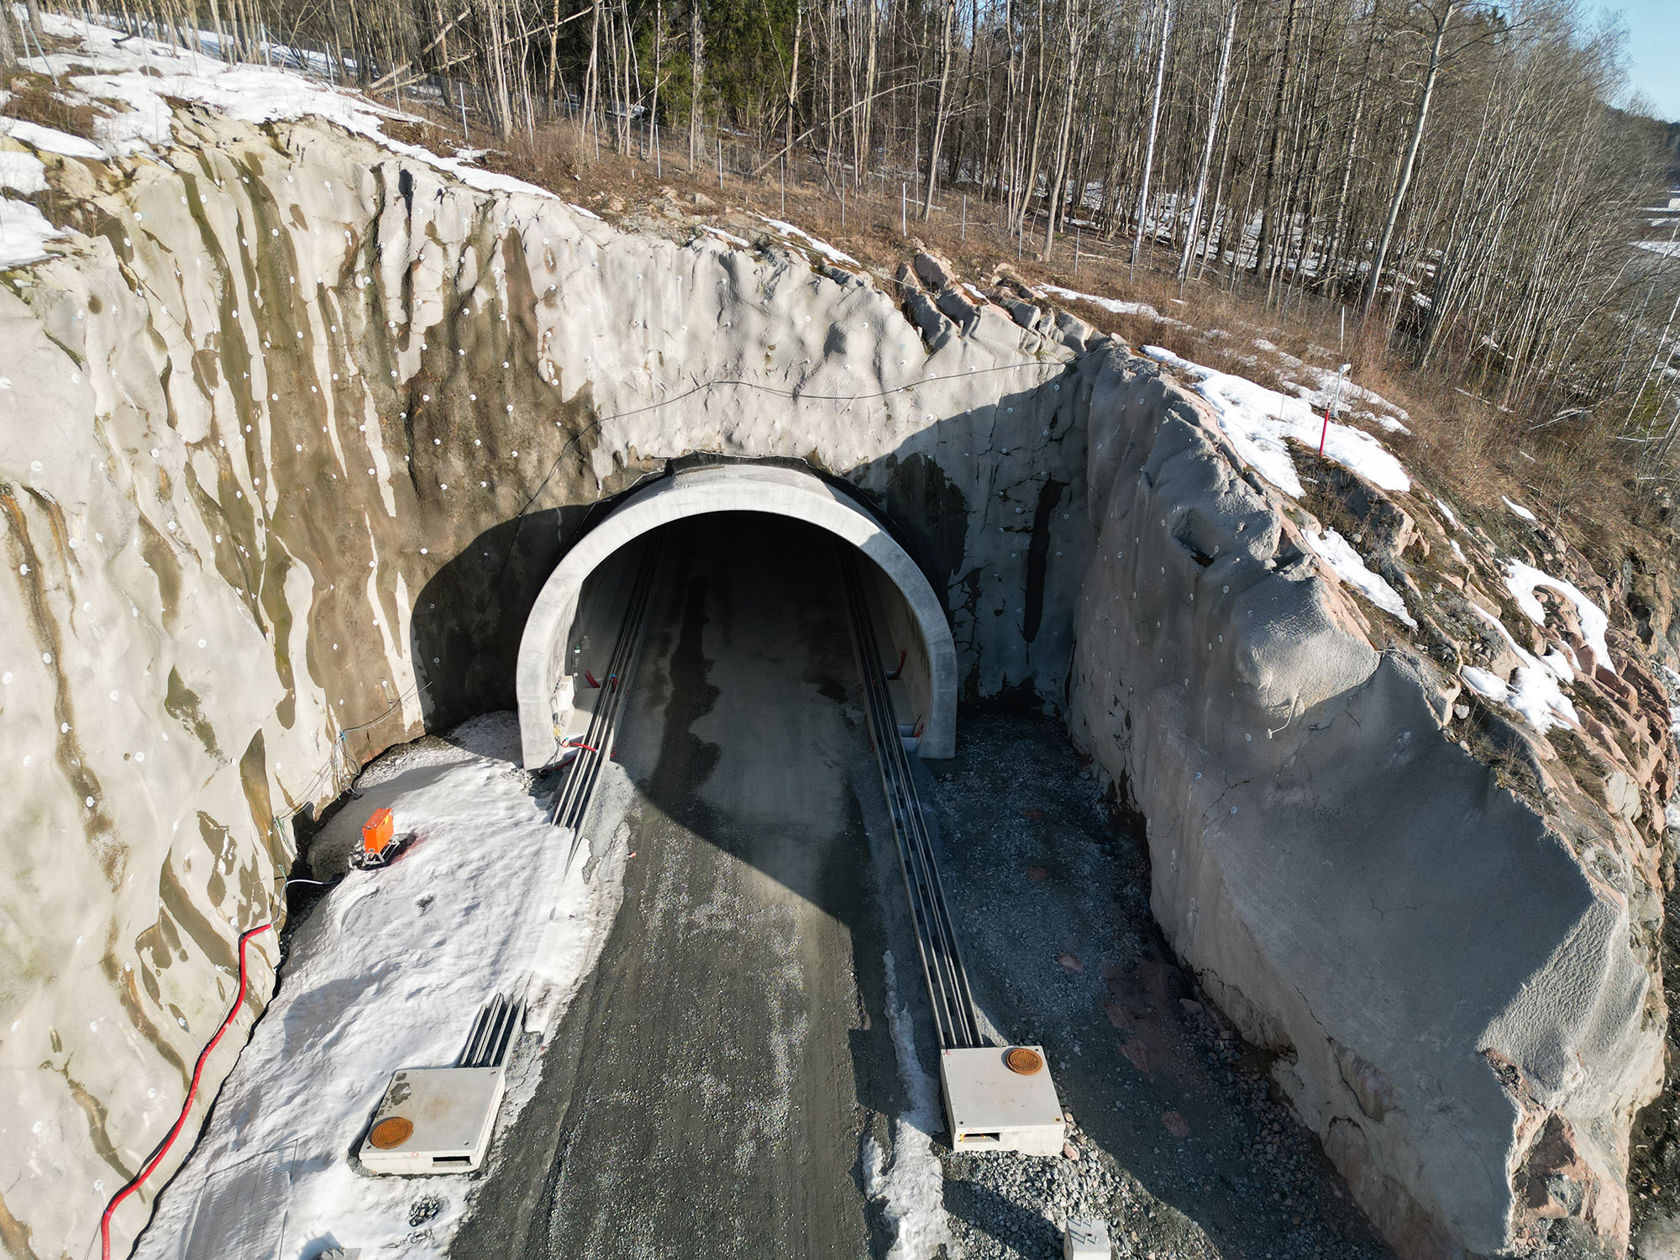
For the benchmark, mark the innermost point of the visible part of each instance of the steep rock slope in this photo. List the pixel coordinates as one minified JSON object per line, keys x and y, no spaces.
{"x":1457,"y":980}
{"x":295,"y":429}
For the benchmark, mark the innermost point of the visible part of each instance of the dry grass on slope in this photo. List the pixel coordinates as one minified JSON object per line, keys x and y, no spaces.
{"x":35,"y":98}
{"x":1466,"y":448}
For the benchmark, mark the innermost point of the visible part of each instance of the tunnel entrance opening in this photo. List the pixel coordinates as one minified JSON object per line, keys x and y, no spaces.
{"x":566,"y":643}
{"x":716,"y":1072}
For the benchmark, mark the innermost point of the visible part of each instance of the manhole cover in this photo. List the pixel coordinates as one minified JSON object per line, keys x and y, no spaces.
{"x":1020,"y":1060}
{"x":395,"y":1130}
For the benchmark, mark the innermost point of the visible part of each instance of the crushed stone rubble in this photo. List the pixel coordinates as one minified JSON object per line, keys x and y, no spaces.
{"x":1051,"y":890}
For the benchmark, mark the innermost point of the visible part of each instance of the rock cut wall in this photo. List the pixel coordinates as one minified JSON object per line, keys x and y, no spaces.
{"x":1459,"y":984}
{"x":291,"y":434}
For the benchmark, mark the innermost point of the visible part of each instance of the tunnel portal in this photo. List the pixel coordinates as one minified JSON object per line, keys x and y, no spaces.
{"x":584,"y":589}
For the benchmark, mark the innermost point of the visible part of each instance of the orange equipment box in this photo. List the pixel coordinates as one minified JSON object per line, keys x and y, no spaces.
{"x":376,"y":832}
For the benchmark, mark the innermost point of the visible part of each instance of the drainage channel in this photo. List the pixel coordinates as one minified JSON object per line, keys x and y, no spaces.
{"x":997,"y":1098}
{"x":936,"y":937}
{"x":572,"y":802}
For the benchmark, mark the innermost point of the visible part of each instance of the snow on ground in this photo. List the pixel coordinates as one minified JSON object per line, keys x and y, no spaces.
{"x":139,"y":75}
{"x":912,"y":1188}
{"x":24,"y":232}
{"x":22,"y":172}
{"x":1259,"y":420}
{"x":139,"y":72}
{"x":1339,"y":554}
{"x":1535,"y":689}
{"x":389,"y":970}
{"x":1392,"y":418}
{"x":1322,"y":388}
{"x":1522,"y":580}
{"x":810,"y":242}
{"x":1112,"y":305}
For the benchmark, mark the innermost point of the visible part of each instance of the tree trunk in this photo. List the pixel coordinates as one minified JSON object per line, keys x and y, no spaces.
{"x":1154,"y":124}
{"x":940,"y":107}
{"x":1207,"y":149}
{"x":793,"y":78}
{"x":1374,"y":281}
{"x":8,"y":46}
{"x":696,"y":69}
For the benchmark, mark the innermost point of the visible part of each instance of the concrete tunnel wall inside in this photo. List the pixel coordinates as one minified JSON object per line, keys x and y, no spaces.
{"x":915,"y":619}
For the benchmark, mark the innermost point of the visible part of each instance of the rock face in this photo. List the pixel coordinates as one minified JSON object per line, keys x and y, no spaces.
{"x":1459,"y":984}
{"x":297,"y":427}
{"x":291,"y":438}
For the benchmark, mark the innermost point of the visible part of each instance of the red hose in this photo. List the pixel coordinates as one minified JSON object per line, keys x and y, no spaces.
{"x":181,"y":1120}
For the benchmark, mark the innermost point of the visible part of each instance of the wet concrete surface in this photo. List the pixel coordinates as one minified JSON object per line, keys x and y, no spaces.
{"x":705,"y":1092}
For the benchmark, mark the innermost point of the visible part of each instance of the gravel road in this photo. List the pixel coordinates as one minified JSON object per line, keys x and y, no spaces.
{"x":702,"y":1096}
{"x":721,"y":1084}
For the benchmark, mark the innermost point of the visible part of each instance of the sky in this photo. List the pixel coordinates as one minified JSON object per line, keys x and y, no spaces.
{"x":1653,"y":51}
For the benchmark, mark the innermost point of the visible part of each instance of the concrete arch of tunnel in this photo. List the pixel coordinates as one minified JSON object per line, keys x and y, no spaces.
{"x":914,"y":615}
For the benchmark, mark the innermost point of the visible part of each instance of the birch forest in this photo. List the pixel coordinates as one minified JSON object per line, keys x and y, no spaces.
{"x":1452,"y":173}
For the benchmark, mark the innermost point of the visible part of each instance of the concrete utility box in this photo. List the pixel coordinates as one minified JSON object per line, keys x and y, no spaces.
{"x":1001,"y":1098}
{"x":1086,"y":1240}
{"x":433,"y":1120}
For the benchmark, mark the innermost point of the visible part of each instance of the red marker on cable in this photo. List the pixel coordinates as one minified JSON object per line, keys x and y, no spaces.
{"x":181,"y":1120}
{"x":1331,"y":406}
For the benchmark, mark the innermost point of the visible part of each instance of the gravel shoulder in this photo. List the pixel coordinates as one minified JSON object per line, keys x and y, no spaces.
{"x":1181,"y":1146}
{"x":1654,"y":1172}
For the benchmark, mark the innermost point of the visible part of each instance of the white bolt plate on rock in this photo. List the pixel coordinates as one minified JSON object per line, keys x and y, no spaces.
{"x":992,"y":1108}
{"x":453,"y":1111}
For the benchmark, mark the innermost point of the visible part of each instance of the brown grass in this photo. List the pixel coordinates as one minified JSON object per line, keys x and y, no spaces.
{"x":1464,"y":445}
{"x":36,"y":99}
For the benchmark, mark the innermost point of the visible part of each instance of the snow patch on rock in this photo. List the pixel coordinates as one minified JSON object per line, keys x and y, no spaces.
{"x":50,"y":139}
{"x":1260,"y":421}
{"x":1518,"y":509}
{"x":810,"y":242}
{"x":24,"y":233}
{"x":1346,"y":563}
{"x":1535,"y":689}
{"x":1522,"y":580}
{"x":22,"y":172}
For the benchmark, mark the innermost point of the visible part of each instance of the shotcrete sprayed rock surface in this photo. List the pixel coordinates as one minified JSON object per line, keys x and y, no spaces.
{"x":293,"y":426}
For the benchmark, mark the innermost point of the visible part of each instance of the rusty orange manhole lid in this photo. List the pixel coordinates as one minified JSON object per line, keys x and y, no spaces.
{"x":1023,"y":1061}
{"x":391,"y":1132}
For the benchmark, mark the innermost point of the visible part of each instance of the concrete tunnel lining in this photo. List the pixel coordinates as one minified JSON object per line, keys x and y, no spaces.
{"x":757,"y":488}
